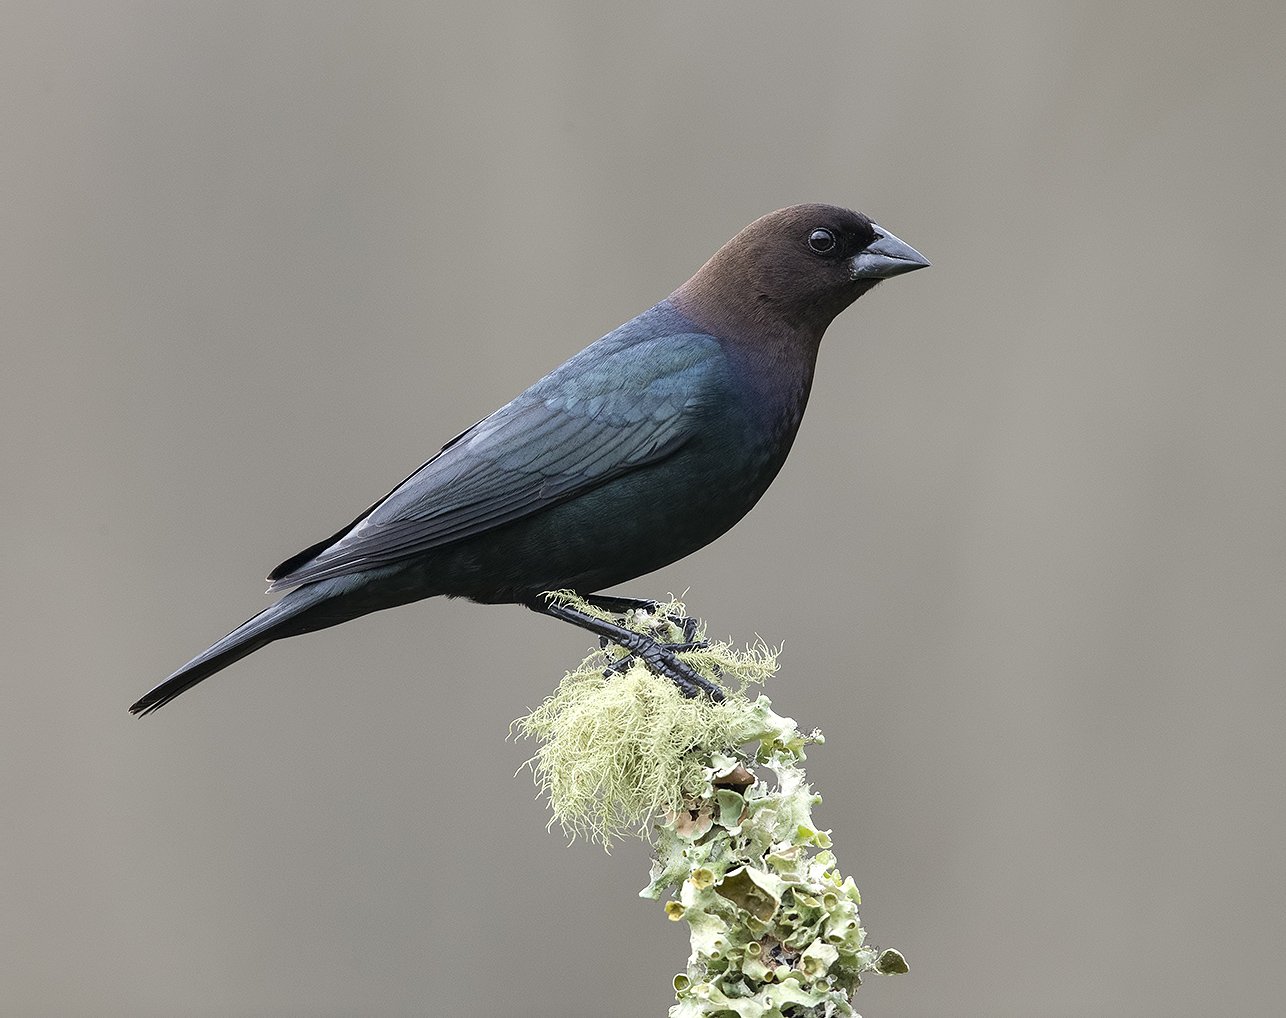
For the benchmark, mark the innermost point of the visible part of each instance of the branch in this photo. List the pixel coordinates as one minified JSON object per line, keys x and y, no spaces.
{"x":720,"y":791}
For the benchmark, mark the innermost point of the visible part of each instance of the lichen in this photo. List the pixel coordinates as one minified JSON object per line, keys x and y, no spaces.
{"x":616,"y":748}
{"x":721,"y":792}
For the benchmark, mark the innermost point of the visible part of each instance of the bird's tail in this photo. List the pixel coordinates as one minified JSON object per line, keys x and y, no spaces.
{"x":301,"y":611}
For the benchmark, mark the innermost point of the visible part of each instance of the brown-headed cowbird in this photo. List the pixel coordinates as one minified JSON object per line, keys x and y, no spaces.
{"x":642,"y":448}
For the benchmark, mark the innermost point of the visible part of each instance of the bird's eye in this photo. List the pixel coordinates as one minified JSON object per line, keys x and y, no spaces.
{"x":821,"y":241}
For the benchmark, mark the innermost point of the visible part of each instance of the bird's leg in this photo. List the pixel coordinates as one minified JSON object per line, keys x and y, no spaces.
{"x":660,"y":658}
{"x":614,"y":605}
{"x":621,"y":605}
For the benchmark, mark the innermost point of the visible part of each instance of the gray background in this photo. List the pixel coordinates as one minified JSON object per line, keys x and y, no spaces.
{"x":1027,"y":559}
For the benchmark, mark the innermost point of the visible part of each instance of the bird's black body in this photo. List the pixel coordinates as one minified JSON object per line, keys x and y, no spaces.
{"x":570,"y":472}
{"x":642,"y":448}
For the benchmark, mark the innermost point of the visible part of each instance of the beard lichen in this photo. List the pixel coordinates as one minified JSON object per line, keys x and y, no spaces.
{"x":720,"y":791}
{"x":620,"y":745}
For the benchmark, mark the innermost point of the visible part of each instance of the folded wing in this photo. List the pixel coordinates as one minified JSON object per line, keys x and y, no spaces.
{"x":603,"y":413}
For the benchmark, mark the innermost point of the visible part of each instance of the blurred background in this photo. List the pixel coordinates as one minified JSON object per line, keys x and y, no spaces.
{"x":1027,"y":558}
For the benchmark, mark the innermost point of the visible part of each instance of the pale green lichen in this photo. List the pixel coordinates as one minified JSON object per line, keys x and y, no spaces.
{"x":774,"y":927}
{"x":617,"y":749}
{"x":775,"y":930}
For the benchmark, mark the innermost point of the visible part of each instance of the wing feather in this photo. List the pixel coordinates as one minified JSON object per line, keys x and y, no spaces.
{"x":587,"y":422}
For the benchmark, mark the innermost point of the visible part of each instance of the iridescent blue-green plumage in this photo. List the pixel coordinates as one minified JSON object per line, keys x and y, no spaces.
{"x":635,"y":400}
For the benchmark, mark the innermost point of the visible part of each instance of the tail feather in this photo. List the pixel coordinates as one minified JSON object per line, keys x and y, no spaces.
{"x":288,"y":617}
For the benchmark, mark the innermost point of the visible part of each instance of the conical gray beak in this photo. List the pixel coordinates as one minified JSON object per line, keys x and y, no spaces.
{"x":886,"y":256}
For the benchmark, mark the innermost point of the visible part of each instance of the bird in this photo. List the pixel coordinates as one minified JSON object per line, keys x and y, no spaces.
{"x":647,"y":445}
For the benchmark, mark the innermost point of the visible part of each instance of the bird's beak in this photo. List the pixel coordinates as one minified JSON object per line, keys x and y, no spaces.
{"x":885,"y":256}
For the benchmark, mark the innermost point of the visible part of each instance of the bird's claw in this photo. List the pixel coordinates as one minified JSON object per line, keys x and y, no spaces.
{"x":658,"y":655}
{"x":688,"y":626}
{"x":661,"y":659}
{"x":623,"y":664}
{"x":685,"y":624}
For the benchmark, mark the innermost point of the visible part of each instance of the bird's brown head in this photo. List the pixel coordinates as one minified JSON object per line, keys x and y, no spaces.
{"x":794,"y":269}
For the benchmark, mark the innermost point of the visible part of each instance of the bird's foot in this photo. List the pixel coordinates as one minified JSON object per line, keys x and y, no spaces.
{"x":658,"y":655}
{"x":624,"y":606}
{"x":688,"y":627}
{"x":662,"y":659}
{"x":624,"y":663}
{"x":633,"y":606}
